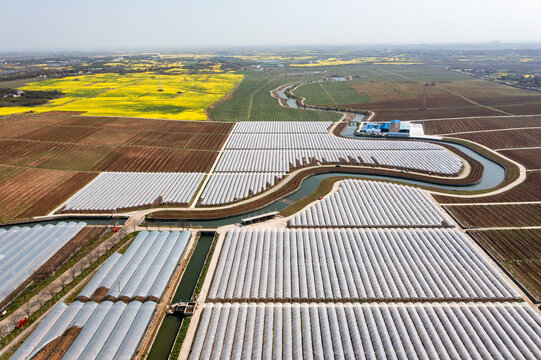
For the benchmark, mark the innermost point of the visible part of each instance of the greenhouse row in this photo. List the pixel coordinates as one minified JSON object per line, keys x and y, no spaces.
{"x":319,"y":142}
{"x":23,"y":250}
{"x":282,"y":127}
{"x":107,"y":330}
{"x":435,"y":161}
{"x":122,"y":190}
{"x":364,"y":203}
{"x":368,"y":331}
{"x":224,"y":188}
{"x":353,"y":264}
{"x":142,"y":272}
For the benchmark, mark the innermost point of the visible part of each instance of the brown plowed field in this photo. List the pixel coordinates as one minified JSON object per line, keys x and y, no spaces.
{"x":496,"y":215}
{"x":21,"y":188}
{"x":152,"y":159}
{"x":530,"y":158}
{"x":58,"y":195}
{"x":52,"y":155}
{"x":491,"y":93}
{"x":434,"y":127}
{"x":505,"y":138}
{"x":66,"y":134}
{"x":524,"y":109}
{"x":519,"y":251}
{"x":529,"y":190}
{"x":41,"y":155}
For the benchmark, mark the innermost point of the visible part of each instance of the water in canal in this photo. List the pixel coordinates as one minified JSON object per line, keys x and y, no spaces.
{"x":171,"y":324}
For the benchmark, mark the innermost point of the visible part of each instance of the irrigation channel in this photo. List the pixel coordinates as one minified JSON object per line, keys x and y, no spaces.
{"x":165,"y":339}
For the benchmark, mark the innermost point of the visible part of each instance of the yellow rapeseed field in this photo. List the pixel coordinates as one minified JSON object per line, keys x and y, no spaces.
{"x":175,"y":97}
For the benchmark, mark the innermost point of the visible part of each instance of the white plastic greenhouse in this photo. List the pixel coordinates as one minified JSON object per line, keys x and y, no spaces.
{"x":282,"y":127}
{"x":143,"y":271}
{"x":364,"y":203}
{"x":224,"y":188}
{"x":121,"y":190}
{"x":353,"y":264}
{"x":109,"y":330}
{"x":23,"y":250}
{"x":368,"y":331}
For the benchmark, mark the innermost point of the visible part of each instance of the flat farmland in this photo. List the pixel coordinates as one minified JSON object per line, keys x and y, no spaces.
{"x":491,"y":93}
{"x":330,"y":93}
{"x":502,"y":139}
{"x":153,"y":159}
{"x":428,"y":113}
{"x":252,"y":102}
{"x":46,"y":158}
{"x":26,"y":192}
{"x":52,"y":155}
{"x":71,"y":142}
{"x":530,"y":158}
{"x":529,"y":190}
{"x":496,"y":215}
{"x":397,"y":92}
{"x":522,"y":109}
{"x":436,"y":127}
{"x":147,"y":94}
{"x":518,"y":251}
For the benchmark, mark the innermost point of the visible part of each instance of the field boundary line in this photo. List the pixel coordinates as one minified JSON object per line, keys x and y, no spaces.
{"x":489,"y":130}
{"x":493,"y":203}
{"x":477,"y":117}
{"x":519,"y":148}
{"x":329,"y":94}
{"x":211,"y":171}
{"x":473,"y":102}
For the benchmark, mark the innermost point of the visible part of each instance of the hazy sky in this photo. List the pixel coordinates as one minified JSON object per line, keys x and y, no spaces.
{"x":64,"y":24}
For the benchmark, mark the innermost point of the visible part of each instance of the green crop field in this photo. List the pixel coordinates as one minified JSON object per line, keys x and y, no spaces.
{"x":330,"y":93}
{"x":252,"y":102}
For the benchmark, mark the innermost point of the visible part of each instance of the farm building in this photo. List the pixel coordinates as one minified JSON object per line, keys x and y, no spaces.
{"x":23,"y":250}
{"x":395,"y":128}
{"x":352,"y":265}
{"x":142,"y":272}
{"x":89,"y":331}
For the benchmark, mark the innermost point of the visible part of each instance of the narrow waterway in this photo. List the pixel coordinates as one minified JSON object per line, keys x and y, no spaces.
{"x":163,"y":344}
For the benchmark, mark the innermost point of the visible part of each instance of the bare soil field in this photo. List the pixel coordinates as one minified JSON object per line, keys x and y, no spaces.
{"x":529,"y":190}
{"x":519,"y":252}
{"x":496,"y":215}
{"x":147,"y":158}
{"x":52,"y":155}
{"x":44,"y":157}
{"x":435,"y":127}
{"x":24,"y":188}
{"x":530,"y":158}
{"x":491,"y":93}
{"x":57,"y":195}
{"x":522,"y":109}
{"x":505,"y":138}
